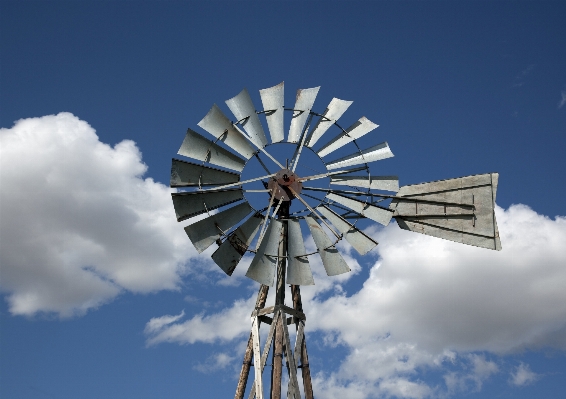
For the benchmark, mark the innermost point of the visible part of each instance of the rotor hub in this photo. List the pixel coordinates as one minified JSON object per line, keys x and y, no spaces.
{"x":282,"y":181}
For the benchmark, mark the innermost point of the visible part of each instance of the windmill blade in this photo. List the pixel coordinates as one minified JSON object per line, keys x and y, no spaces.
{"x":460,"y":210}
{"x":332,"y":261}
{"x":362,"y":127}
{"x":298,"y":268}
{"x":303,"y":104}
{"x":333,"y":112}
{"x":375,"y":153}
{"x":186,"y":174}
{"x":357,"y":239}
{"x":262,"y":268}
{"x":243,"y":109}
{"x":197,"y":147}
{"x":206,"y":231}
{"x":373,"y":212}
{"x":273,"y":107}
{"x":194,"y":203}
{"x":231,"y":251}
{"x":386,"y":183}
{"x":218,"y":124}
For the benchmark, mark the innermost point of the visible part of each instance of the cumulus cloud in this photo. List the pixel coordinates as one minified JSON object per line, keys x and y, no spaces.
{"x":80,"y":223}
{"x":430,"y":304}
{"x":522,"y":375}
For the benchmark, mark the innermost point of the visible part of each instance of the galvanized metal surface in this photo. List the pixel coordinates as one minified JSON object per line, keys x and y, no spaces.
{"x":186,"y":174}
{"x":262,"y":268}
{"x":303,"y":104}
{"x":338,"y":172}
{"x":231,"y":251}
{"x":206,"y":231}
{"x":273,"y":103}
{"x":197,"y":147}
{"x":243,"y":108}
{"x":362,"y":127}
{"x":332,"y":261}
{"x":386,"y":183}
{"x":450,"y":221}
{"x":194,"y":203}
{"x":375,"y":153}
{"x":375,"y":213}
{"x":218,"y":124}
{"x":298,"y":268}
{"x":357,"y":239}
{"x":333,"y":112}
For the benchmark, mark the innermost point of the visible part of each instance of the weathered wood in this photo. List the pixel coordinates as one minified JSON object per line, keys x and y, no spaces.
{"x":293,"y":387}
{"x":245,"y":371}
{"x":285,"y":308}
{"x":277,"y":361}
{"x":299,"y":342}
{"x":257,"y":360}
{"x":293,"y":312}
{"x":279,"y":336}
{"x":265,"y":353}
{"x":307,"y":383}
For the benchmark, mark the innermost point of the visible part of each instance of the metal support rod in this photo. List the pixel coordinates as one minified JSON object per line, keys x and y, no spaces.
{"x":248,"y":355}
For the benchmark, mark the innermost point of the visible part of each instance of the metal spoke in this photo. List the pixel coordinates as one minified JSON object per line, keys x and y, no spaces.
{"x":240,"y":183}
{"x":258,"y":147}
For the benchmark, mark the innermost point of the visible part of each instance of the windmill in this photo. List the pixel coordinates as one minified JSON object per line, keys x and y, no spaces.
{"x":460,"y":210}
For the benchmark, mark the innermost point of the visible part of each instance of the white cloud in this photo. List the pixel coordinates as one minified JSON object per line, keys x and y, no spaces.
{"x":523,"y":375}
{"x":430,"y":304}
{"x":217,"y":361}
{"x":562,"y":100}
{"x":80,"y":224}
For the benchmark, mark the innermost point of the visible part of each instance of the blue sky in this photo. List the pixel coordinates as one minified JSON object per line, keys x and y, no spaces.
{"x":103,"y":293}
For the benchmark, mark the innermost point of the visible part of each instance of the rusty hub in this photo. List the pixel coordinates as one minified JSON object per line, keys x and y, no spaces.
{"x":283,"y":179}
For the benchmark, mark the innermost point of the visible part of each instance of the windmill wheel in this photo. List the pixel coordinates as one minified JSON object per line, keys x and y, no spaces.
{"x":235,"y":228}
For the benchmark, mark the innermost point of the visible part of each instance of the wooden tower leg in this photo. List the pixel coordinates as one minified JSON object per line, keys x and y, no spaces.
{"x":298,"y":305}
{"x":277,"y":369}
{"x":278,"y":338}
{"x":244,"y":373}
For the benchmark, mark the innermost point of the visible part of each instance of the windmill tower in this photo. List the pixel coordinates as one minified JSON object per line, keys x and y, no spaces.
{"x":460,"y":210}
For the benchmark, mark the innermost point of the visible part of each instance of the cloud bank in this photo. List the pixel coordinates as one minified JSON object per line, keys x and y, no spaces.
{"x":79,"y":222}
{"x":428,"y":304}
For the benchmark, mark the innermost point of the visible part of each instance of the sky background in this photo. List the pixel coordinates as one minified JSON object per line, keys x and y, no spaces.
{"x":104,"y":296}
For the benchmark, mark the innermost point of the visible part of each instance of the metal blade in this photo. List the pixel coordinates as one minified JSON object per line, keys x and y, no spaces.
{"x":218,"y":124}
{"x":375,"y":213}
{"x":262,"y":268}
{"x":298,"y":268}
{"x":375,"y":153}
{"x":333,"y":262}
{"x":303,"y":104}
{"x":273,"y":103}
{"x":206,"y":231}
{"x":185,"y":174}
{"x":231,"y":251}
{"x":386,"y":183}
{"x":357,"y":239}
{"x":362,"y":127}
{"x":197,"y":147}
{"x":191,"y":204}
{"x":333,"y":112}
{"x":420,"y":208}
{"x":243,"y":108}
